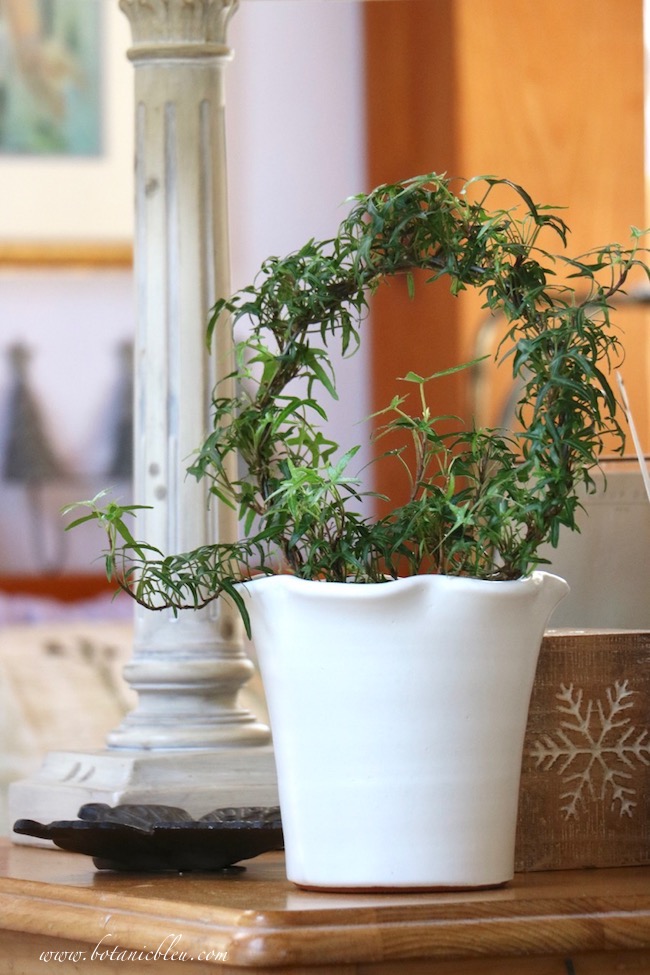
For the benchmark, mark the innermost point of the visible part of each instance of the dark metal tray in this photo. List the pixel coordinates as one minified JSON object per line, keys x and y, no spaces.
{"x":156,"y":837}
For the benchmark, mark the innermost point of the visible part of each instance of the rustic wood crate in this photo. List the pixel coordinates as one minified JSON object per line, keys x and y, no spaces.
{"x":585,"y":785}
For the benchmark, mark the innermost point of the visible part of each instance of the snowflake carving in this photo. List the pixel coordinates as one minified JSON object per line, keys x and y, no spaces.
{"x":595,"y":749}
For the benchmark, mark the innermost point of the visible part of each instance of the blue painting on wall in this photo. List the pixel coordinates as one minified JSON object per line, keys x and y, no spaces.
{"x":51,"y":77}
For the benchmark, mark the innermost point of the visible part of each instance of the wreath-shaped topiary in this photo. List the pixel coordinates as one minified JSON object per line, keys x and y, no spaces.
{"x":481,"y":501}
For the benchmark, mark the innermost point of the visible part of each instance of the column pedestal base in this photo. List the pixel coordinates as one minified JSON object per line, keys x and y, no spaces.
{"x":197,"y":781}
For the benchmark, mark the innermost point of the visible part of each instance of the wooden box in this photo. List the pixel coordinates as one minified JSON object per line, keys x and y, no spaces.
{"x":585,"y":785}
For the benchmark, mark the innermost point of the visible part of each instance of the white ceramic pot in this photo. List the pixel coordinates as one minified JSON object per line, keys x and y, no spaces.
{"x":398,"y":713}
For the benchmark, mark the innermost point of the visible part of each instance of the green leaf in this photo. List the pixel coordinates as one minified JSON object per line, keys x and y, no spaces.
{"x":478,"y":502}
{"x":413,"y":377}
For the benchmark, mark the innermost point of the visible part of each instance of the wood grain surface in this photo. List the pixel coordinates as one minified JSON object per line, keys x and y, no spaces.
{"x":257,"y":921}
{"x":585,"y":786}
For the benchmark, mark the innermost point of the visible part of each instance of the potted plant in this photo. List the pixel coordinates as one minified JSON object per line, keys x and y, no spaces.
{"x":398,"y":653}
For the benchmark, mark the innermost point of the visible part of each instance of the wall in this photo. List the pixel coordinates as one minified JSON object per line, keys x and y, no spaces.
{"x":295,"y":122}
{"x":296,"y":137}
{"x":74,"y":323}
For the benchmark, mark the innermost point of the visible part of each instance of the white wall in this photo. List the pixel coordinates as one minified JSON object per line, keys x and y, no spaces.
{"x":295,"y":124}
{"x":296,"y":135}
{"x":73,"y":322}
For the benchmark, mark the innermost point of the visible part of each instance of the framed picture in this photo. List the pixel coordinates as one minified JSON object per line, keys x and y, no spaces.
{"x":66,"y":140}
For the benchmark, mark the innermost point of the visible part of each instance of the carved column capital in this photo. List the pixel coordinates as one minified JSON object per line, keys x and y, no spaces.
{"x":159,"y":25}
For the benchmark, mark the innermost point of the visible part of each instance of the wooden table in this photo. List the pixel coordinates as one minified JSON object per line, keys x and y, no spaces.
{"x":556,"y":923}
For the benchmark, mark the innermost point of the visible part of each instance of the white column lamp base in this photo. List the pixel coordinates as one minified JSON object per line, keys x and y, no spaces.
{"x":197,"y":781}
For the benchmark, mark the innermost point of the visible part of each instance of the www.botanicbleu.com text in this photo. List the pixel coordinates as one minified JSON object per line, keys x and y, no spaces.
{"x":169,"y":949}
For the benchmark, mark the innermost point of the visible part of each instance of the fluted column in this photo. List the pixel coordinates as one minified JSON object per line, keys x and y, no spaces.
{"x":188,"y":742}
{"x":188,"y":668}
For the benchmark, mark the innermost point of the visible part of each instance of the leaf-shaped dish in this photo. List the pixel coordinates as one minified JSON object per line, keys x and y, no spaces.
{"x":157,"y":838}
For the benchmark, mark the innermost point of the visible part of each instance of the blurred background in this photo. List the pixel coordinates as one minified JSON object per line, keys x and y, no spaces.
{"x":325,"y":99}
